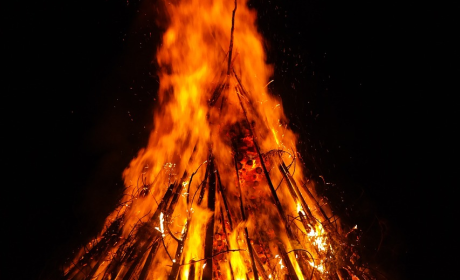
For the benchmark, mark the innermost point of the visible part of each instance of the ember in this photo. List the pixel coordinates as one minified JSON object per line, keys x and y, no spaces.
{"x":223,"y":196}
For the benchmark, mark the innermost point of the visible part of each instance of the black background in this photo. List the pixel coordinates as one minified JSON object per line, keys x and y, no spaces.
{"x":367,"y":84}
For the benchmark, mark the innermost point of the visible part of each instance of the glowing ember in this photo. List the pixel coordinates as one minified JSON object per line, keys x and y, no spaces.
{"x":219,"y":198}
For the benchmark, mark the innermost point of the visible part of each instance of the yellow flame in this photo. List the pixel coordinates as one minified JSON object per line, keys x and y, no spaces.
{"x":300,"y":209}
{"x":191,"y":58}
{"x":276,"y":138}
{"x":162,"y":220}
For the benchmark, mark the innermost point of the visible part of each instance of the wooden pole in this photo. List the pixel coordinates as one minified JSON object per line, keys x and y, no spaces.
{"x":209,"y":241}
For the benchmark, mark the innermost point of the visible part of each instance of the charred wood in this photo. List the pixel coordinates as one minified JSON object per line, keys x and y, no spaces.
{"x":191,"y":275}
{"x":140,"y":255}
{"x":230,"y":49}
{"x":203,"y":185}
{"x":209,"y":241}
{"x":145,"y":270}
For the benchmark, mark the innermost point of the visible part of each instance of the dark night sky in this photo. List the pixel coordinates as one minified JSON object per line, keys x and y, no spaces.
{"x":377,"y":116}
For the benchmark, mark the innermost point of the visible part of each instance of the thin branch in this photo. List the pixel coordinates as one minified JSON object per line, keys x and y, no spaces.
{"x":190,"y":182}
{"x":172,"y":234}
{"x":230,"y":49}
{"x":166,"y":249}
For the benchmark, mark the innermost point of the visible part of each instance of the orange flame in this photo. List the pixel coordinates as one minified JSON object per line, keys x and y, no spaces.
{"x":216,"y":121}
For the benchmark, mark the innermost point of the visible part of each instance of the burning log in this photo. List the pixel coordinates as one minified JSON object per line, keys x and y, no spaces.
{"x":148,"y":262}
{"x":203,"y":185}
{"x":318,"y":206}
{"x":141,"y":255}
{"x":290,"y":268}
{"x":100,"y":249}
{"x":259,"y":263}
{"x":208,"y":246}
{"x":154,"y":239}
{"x":224,"y":200}
{"x":295,"y":193}
{"x":137,"y":251}
{"x":227,"y":211}
{"x":226,"y":241}
{"x":192,"y":272}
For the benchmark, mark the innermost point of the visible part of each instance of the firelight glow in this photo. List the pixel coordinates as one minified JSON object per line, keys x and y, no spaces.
{"x":219,"y":198}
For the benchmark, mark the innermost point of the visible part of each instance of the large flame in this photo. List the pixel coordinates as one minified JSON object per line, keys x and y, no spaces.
{"x":217,"y":191}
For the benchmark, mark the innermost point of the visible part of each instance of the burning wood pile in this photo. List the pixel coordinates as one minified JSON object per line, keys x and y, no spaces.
{"x":218,"y":193}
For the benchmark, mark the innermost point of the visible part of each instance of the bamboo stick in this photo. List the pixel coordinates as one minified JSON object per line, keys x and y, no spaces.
{"x":295,"y":192}
{"x":203,"y":187}
{"x":224,"y":199}
{"x":153,"y":234}
{"x":209,"y":241}
{"x":226,"y":239}
{"x":140,"y":255}
{"x":145,"y":269}
{"x":191,"y":275}
{"x":287,"y":262}
{"x":312,"y":197}
{"x":224,"y":227}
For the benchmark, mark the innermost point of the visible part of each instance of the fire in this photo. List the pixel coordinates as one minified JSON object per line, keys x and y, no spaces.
{"x":214,"y":194}
{"x":318,"y":237}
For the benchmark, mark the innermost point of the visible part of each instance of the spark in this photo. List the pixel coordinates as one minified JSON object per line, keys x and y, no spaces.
{"x":276,"y":138}
{"x":185,"y":226}
{"x":162,"y":230}
{"x":281,"y":264}
{"x":319,"y":267}
{"x":269,"y":83}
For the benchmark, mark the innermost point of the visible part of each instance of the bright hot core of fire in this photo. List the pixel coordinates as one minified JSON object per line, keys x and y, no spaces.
{"x":218,"y":192}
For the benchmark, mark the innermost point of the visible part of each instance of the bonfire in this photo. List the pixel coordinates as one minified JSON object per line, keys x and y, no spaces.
{"x":219,"y":192}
